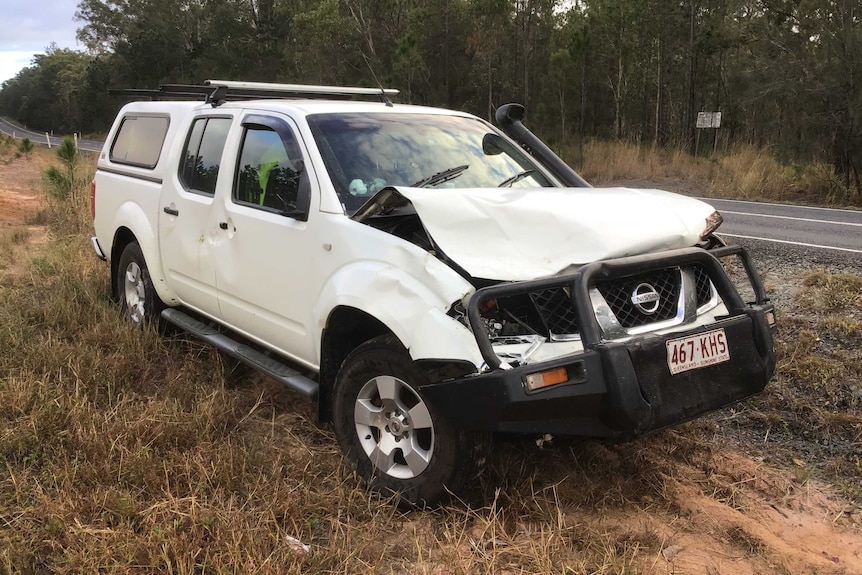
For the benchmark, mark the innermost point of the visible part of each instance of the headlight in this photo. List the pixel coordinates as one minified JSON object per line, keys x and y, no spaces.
{"x":712,"y":222}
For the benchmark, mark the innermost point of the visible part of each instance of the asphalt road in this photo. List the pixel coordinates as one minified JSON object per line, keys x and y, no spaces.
{"x":11,"y":129}
{"x":815,"y":237}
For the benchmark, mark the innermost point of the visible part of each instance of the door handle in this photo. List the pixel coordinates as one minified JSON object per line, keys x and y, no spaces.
{"x":222,"y":225}
{"x":171,"y":211}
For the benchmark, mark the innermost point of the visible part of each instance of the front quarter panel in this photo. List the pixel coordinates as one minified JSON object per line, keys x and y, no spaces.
{"x":406,"y":288}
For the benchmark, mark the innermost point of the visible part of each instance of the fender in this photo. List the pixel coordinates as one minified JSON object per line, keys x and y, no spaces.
{"x":405,"y":304}
{"x":130,"y":215}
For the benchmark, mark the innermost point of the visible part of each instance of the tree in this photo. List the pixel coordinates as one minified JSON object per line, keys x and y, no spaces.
{"x":51,"y":93}
{"x":25,"y":148}
{"x":785,"y":73}
{"x":63,"y":182}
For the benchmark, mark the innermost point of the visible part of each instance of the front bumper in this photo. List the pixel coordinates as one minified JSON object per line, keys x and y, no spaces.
{"x":616,"y":389}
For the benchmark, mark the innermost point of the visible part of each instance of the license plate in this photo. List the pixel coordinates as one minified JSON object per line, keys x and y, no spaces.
{"x":696,"y":351}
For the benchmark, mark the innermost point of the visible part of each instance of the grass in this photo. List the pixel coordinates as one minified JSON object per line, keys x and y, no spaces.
{"x":125,"y":452}
{"x":813,"y":412}
{"x":9,"y":241}
{"x":743,"y":172}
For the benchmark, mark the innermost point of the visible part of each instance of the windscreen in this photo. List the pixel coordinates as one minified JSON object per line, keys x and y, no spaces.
{"x":364,"y":153}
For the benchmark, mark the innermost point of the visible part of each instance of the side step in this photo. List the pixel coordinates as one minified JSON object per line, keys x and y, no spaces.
{"x":249,"y":356}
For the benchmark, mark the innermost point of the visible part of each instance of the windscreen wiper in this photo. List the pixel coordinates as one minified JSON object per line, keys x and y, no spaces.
{"x":441,"y":177}
{"x":508,"y":182}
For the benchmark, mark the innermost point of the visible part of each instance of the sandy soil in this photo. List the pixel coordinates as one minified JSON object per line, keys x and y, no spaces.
{"x":20,"y":189}
{"x":762,"y":527}
{"x":21,"y":202}
{"x":725,"y":514}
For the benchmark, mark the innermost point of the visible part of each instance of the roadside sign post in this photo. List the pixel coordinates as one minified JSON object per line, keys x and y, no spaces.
{"x":707,"y":121}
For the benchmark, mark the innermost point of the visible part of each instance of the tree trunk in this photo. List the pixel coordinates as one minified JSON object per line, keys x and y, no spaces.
{"x":689,"y":128}
{"x":658,"y":93}
{"x":618,"y":95}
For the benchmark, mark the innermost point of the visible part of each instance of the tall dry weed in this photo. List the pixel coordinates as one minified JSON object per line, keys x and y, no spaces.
{"x":747,"y":173}
{"x":744,"y":172}
{"x":614,"y":161}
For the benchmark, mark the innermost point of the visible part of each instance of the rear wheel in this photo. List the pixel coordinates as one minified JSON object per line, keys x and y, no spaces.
{"x":395,"y":439}
{"x":139,"y":302}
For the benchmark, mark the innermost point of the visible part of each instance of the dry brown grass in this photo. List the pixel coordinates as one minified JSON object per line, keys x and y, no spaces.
{"x":124,"y":452}
{"x":744,"y":172}
{"x":7,"y":148}
{"x":813,"y":412}
{"x":616,"y":161}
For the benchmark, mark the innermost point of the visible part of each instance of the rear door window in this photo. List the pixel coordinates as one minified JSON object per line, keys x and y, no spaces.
{"x":203,"y":153}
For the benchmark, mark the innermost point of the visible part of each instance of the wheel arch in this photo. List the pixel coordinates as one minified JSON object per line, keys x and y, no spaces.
{"x":346,"y":329}
{"x":132,"y":225}
{"x":410,"y":300}
{"x":367,"y":299}
{"x":122,"y":237}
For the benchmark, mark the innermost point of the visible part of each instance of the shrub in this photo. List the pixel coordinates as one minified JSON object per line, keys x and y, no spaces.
{"x":25,"y":148}
{"x":63,"y":182}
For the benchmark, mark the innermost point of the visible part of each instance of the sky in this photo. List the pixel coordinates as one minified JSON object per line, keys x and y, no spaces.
{"x":27,"y":27}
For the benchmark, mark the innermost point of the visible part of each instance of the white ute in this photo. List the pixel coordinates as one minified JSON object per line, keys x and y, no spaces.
{"x":430,"y":279}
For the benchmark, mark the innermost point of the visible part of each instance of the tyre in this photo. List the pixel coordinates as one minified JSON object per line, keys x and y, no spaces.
{"x":393,"y":437}
{"x":139,"y":302}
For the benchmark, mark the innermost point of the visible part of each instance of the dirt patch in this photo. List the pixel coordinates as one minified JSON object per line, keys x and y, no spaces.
{"x":21,"y":194}
{"x":679,"y":502}
{"x":21,"y":203}
{"x":757,"y":520}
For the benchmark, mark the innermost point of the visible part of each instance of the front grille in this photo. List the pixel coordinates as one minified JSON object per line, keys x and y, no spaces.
{"x":558,"y":317}
{"x":703,"y":286}
{"x":618,"y":295}
{"x":556,"y":310}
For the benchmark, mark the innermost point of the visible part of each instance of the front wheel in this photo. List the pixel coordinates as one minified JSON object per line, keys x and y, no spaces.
{"x":139,"y":302}
{"x":395,"y":439}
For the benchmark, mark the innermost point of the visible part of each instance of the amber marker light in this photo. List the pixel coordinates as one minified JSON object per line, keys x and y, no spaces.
{"x":544,"y":379}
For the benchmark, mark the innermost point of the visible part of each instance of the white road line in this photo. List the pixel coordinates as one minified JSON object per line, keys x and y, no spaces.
{"x":852,"y":251}
{"x":707,"y":200}
{"x":792,"y":218}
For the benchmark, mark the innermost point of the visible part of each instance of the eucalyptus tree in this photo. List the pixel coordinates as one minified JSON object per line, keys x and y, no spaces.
{"x":50,"y":94}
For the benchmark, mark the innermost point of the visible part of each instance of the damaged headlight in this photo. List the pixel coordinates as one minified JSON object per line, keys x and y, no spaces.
{"x":712,"y":222}
{"x":517,"y":349}
{"x":517,"y":326}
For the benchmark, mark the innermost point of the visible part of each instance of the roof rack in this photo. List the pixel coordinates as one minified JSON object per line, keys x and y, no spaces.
{"x":216,"y":92}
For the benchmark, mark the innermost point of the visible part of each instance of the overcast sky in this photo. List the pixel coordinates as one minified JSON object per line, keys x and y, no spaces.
{"x":27,"y":27}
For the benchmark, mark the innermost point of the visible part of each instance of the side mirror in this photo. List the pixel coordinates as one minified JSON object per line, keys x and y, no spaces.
{"x":492,"y":144}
